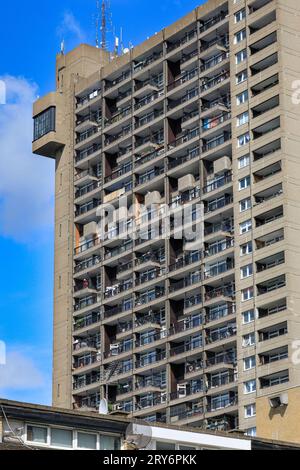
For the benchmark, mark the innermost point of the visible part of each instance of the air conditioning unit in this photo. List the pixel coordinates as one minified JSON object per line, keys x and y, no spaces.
{"x":114,"y":349}
{"x":279,"y":400}
{"x":181,"y":390}
{"x":117,"y":407}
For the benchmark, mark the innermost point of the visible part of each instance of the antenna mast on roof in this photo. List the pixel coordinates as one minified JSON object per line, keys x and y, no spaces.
{"x":103,"y":24}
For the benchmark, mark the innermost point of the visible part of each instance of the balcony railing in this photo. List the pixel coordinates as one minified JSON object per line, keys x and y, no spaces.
{"x":124,"y":76}
{"x":87,"y":152}
{"x":114,"y":138}
{"x":184,"y":138}
{"x":149,"y":157}
{"x":150,"y":360}
{"x":88,"y":245}
{"x":217,"y":183}
{"x":220,"y":269}
{"x":86,"y":361}
{"x":214,"y":81}
{"x":185,"y":261}
{"x":191,"y":94}
{"x":142,"y":121}
{"x":212,"y":62}
{"x":186,"y":38}
{"x":86,"y":381}
{"x":84,"y":190}
{"x":212,"y":21}
{"x":186,"y":282}
{"x":84,"y":209}
{"x":87,"y":321}
{"x":209,"y":124}
{"x":227,"y":291}
{"x":216,"y":336}
{"x":118,"y":117}
{"x":149,"y":60}
{"x":227,"y":358}
{"x":183,"y":159}
{"x":87,"y":134}
{"x":218,"y":204}
{"x":184,"y":77}
{"x":119,"y":171}
{"x":187,"y":347}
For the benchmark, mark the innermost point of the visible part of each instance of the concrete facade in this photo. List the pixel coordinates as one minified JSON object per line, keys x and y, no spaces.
{"x":205,"y":112}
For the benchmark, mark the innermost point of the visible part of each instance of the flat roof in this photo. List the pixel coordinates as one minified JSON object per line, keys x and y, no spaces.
{"x":113,"y":423}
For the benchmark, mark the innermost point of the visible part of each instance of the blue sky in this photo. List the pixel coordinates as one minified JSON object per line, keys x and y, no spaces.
{"x":32,"y":32}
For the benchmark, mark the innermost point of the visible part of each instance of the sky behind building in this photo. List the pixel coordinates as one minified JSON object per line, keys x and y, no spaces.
{"x":31,"y":33}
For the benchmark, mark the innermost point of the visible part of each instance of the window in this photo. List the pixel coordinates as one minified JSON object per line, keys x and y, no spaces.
{"x":37,"y":434}
{"x":248,"y":316}
{"x":246,"y":249}
{"x":165,"y":446}
{"x":245,"y":227}
{"x":249,"y":363}
{"x":240,"y":36}
{"x":240,"y":15}
{"x":244,"y":182}
{"x":243,"y":139}
{"x":251,"y":432}
{"x":242,"y":98}
{"x":250,"y":411}
{"x":86,"y":441}
{"x":248,"y":340}
{"x":242,"y":119}
{"x":241,"y":56}
{"x":109,"y":443}
{"x":250,"y":387}
{"x":44,"y":123}
{"x":61,"y":437}
{"x":244,"y":161}
{"x":245,"y":204}
{"x":247,"y":294}
{"x":246,"y":271}
{"x":241,"y":77}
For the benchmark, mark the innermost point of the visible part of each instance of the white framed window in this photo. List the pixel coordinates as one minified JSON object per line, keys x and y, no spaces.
{"x":246,"y":271}
{"x":242,"y":98}
{"x":242,"y":119}
{"x":248,"y":316}
{"x":249,"y":387}
{"x":248,"y":340}
{"x":245,"y":226}
{"x":243,"y":139}
{"x":244,"y":161}
{"x":240,"y":15}
{"x":86,"y":440}
{"x":245,"y":204}
{"x":244,"y":183}
{"x":250,"y":410}
{"x":240,"y":36}
{"x":241,"y":77}
{"x":61,"y":438}
{"x":241,"y":56}
{"x":246,"y":249}
{"x":247,"y":294}
{"x":249,"y":362}
{"x":37,"y":434}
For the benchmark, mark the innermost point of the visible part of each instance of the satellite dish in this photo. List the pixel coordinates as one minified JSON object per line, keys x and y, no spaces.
{"x":139,"y":434}
{"x":103,"y":407}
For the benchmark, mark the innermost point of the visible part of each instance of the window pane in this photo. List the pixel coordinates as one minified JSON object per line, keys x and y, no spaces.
{"x":109,"y":443}
{"x":165,"y":446}
{"x":86,"y":441}
{"x":61,"y":438}
{"x":37,"y":434}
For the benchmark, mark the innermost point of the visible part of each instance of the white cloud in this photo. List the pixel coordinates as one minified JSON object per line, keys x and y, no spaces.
{"x":71,"y":27}
{"x":20,"y":373}
{"x":26,"y":180}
